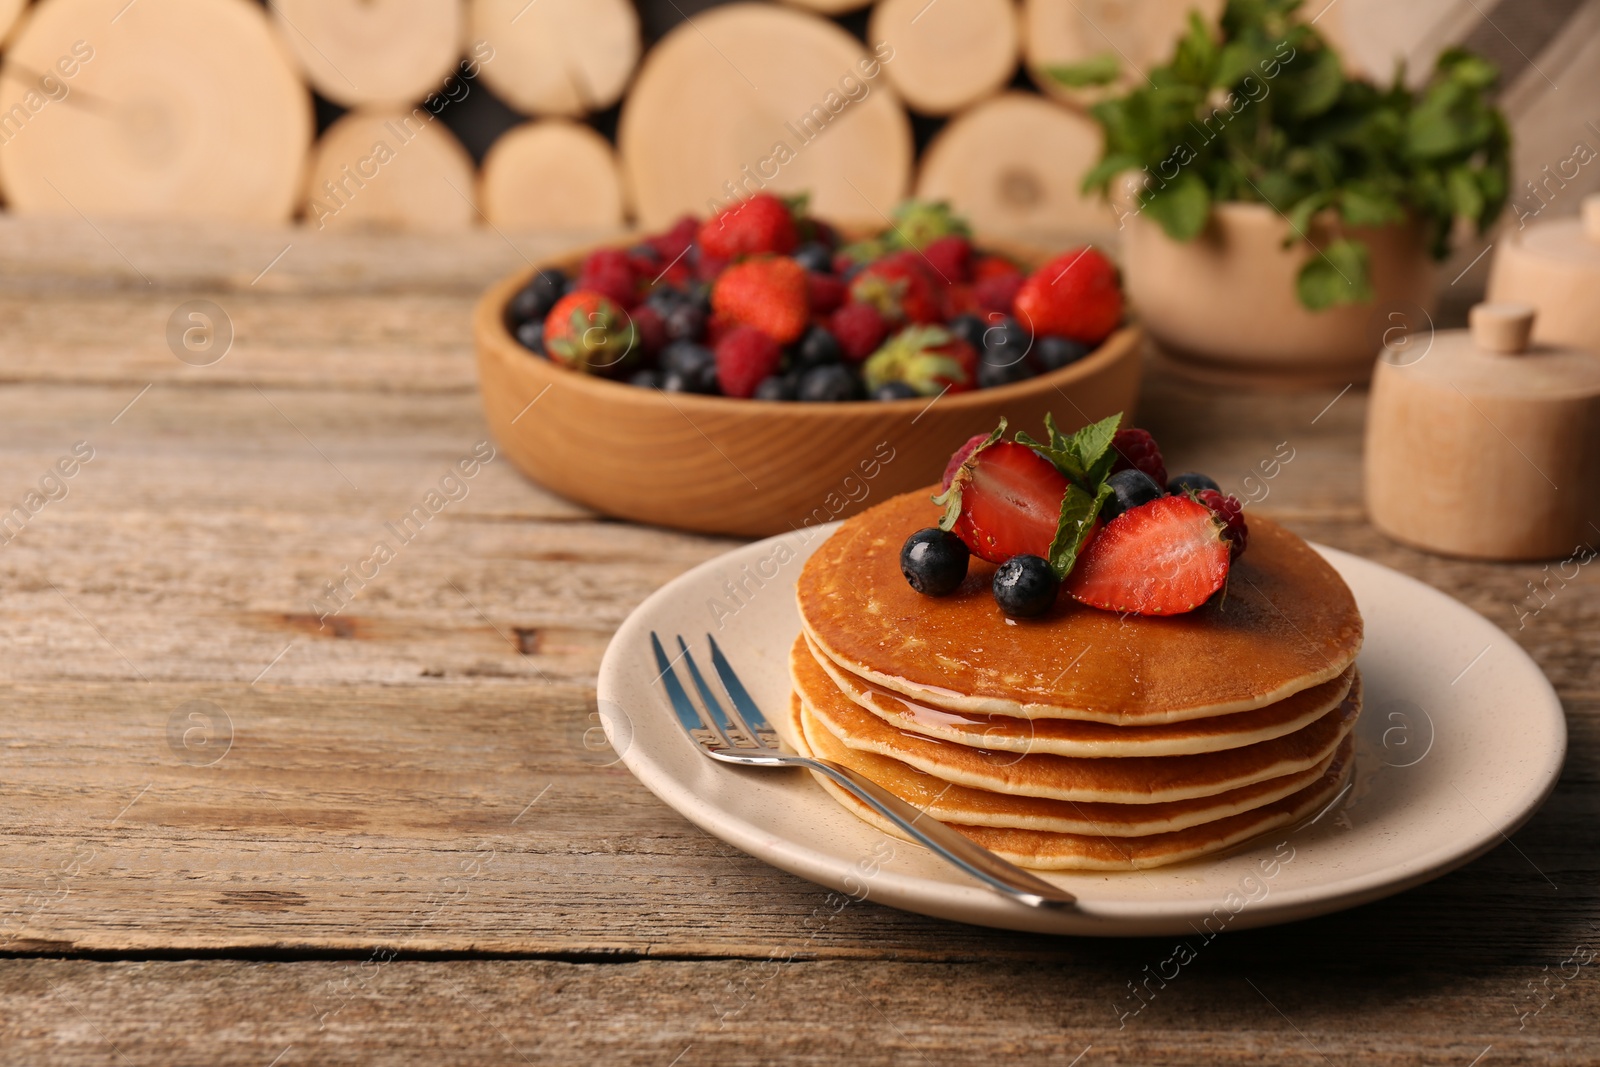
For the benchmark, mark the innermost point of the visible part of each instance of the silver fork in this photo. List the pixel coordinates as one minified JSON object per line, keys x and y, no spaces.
{"x":747,"y":739}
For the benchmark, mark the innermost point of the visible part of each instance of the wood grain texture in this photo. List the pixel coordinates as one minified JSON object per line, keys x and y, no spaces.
{"x":361,"y":878}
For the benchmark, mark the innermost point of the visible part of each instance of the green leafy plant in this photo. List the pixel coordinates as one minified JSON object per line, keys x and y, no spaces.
{"x":1258,"y":109}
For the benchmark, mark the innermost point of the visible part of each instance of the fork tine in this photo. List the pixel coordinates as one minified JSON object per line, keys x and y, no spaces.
{"x":742,"y":702}
{"x":735,"y":732}
{"x":688,"y":718}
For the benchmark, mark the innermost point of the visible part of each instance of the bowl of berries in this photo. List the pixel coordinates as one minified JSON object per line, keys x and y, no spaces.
{"x":759,"y":371}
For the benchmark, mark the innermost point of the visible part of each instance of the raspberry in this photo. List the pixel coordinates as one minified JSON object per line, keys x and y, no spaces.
{"x":671,"y":244}
{"x":950,"y":257}
{"x":859,"y":329}
{"x":992,"y":267}
{"x":997,"y":293}
{"x":825,"y":293}
{"x":745,"y":356}
{"x":1136,"y":450}
{"x":1230,"y":514}
{"x":607,"y":271}
{"x":652,"y":331}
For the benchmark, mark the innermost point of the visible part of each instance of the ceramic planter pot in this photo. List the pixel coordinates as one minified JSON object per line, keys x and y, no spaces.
{"x":1225,"y":306}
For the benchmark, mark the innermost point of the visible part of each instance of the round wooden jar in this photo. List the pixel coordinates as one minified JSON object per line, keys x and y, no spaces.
{"x":1555,"y":266}
{"x":1485,"y":446}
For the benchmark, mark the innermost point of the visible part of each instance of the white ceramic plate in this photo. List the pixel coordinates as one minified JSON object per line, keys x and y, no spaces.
{"x":1461,"y":740}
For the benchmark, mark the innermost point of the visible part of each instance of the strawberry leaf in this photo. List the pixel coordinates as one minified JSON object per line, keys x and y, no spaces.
{"x":950,"y":499}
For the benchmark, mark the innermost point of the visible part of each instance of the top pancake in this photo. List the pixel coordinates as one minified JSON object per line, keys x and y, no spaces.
{"x":1286,"y":622}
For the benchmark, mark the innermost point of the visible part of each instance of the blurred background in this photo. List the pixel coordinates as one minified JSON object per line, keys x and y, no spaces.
{"x":449,"y":115}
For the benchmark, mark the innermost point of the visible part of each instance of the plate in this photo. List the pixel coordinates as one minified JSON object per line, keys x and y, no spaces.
{"x":1461,"y":740}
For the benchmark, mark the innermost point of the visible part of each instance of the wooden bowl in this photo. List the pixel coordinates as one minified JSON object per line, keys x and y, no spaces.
{"x":747,"y":467}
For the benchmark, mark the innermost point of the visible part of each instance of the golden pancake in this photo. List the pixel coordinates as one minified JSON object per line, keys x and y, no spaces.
{"x":1105,"y":852}
{"x":1286,"y":622}
{"x":1126,"y":780}
{"x":977,"y":807}
{"x":1077,"y":737}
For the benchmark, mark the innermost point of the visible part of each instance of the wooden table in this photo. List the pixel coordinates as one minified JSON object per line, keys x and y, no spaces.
{"x":392,"y":837}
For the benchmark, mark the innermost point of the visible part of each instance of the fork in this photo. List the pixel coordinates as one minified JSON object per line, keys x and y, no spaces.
{"x":747,"y":739}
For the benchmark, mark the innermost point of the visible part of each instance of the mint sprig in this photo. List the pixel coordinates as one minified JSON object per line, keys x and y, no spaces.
{"x":1086,"y":458}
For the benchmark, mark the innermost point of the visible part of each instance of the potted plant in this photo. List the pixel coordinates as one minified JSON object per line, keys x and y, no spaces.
{"x":1271,"y":204}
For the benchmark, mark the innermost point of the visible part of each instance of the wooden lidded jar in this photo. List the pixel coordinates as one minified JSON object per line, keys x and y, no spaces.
{"x":1487,"y":446}
{"x":1555,"y":266}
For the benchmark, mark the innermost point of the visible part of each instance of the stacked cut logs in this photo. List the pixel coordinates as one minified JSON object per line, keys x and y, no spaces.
{"x":204,"y":108}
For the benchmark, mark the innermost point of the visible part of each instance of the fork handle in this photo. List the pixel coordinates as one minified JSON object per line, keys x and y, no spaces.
{"x":949,"y":844}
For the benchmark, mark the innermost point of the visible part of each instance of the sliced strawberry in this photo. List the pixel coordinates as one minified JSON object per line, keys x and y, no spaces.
{"x":1011,"y":504}
{"x":959,"y":456}
{"x":1162,"y":558}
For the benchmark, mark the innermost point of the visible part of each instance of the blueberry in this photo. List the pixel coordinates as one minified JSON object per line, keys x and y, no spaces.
{"x":1129,"y":489}
{"x":663,"y":298}
{"x":1006,"y":343}
{"x":534,"y":300}
{"x":934,"y":561}
{"x":851,"y":271}
{"x":832,"y":381}
{"x":1053,"y":353}
{"x":968,"y":328}
{"x":813,"y":255}
{"x":531,"y":336}
{"x":644,"y":251}
{"x":700,"y":297}
{"x":816,"y":348}
{"x":646,"y":379}
{"x":686,"y":357}
{"x":684,"y":321}
{"x":1025,"y":586}
{"x":694,"y":381}
{"x":893,"y":391}
{"x":992,"y":372}
{"x":777,"y":387}
{"x":1193,"y":481}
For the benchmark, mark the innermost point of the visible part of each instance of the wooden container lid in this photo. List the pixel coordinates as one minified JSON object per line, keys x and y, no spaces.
{"x":1555,"y":265}
{"x":1487,"y":445}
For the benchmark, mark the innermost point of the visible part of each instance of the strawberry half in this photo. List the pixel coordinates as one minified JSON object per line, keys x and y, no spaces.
{"x":1011,"y":502}
{"x":1162,"y":558}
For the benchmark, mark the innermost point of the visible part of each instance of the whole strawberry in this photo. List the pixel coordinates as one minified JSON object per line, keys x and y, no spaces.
{"x":918,"y":223}
{"x":609,"y":271}
{"x":769,"y":293}
{"x":1230,"y":513}
{"x":1076,"y":296}
{"x":589,"y":332}
{"x":929,"y":359}
{"x":761,"y":224}
{"x":900,"y":286}
{"x":859,"y":329}
{"x":745,"y":356}
{"x":1136,"y":450}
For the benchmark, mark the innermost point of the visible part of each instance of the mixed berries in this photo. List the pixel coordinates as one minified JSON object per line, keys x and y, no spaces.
{"x":914,"y":312}
{"x":1091,"y":512}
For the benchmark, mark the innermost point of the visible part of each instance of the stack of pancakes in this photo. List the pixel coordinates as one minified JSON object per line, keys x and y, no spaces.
{"x":1083,"y":739}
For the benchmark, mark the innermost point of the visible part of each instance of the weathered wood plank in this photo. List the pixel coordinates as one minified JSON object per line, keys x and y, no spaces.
{"x":429,"y":817}
{"x":382,"y":1011}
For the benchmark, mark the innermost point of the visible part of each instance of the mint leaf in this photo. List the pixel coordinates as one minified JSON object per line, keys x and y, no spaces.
{"x":1096,"y":70}
{"x":1085,"y":456}
{"x":1078,"y":511}
{"x":1182,"y":207}
{"x":1337,"y":276}
{"x":950,"y":499}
